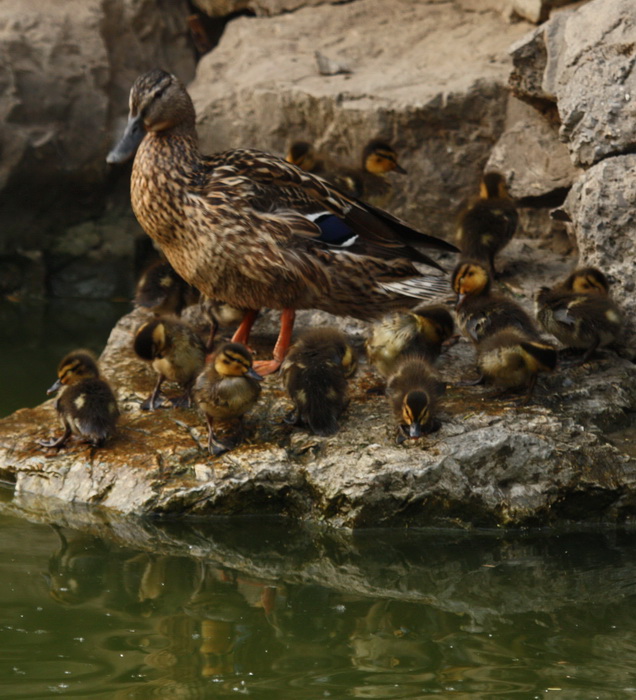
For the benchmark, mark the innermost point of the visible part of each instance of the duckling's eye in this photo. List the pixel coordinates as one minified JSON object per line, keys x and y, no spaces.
{"x":159,"y":93}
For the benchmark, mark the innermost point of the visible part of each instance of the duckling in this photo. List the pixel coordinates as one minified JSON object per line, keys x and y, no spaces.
{"x":418,"y":332}
{"x":176,"y":353}
{"x":413,"y":392}
{"x":510,"y":359}
{"x":163,"y":291}
{"x":489,"y":224}
{"x":579,"y":311}
{"x":481,"y":313}
{"x":315,"y":374}
{"x":227,"y":388}
{"x":220,"y":315}
{"x":87,"y":406}
{"x":304,"y":155}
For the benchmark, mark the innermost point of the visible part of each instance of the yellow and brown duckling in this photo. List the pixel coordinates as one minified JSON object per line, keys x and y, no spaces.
{"x":489,"y":224}
{"x":413,"y":392}
{"x":226,"y":389}
{"x":248,"y":228}
{"x":479,"y":312}
{"x":87,"y":407}
{"x":419,"y":332}
{"x":579,"y":311}
{"x":510,"y":360}
{"x":161,"y":290}
{"x":315,"y":374}
{"x":177,"y":355}
{"x":221,"y":315}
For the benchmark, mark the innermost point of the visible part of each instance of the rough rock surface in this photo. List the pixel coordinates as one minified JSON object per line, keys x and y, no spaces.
{"x":491,"y":463}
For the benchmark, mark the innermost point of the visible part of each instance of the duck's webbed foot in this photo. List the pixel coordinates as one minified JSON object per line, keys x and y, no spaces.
{"x":183,"y":401}
{"x":56,"y":442}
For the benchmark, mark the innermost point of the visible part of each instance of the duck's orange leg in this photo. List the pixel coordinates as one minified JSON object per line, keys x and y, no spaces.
{"x":242,"y":333}
{"x":264,"y":367}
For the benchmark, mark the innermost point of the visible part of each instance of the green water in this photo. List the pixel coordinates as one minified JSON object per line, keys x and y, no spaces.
{"x":269,"y":609}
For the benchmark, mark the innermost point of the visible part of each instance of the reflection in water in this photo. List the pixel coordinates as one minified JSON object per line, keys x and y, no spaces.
{"x":232,"y":607}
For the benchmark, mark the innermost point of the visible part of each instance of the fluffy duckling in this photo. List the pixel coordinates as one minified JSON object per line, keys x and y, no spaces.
{"x":87,"y":406}
{"x":579,"y":311}
{"x":481,"y":313}
{"x":176,"y":353}
{"x":163,"y":291}
{"x":419,"y":332}
{"x":487,"y":226}
{"x":304,"y":155}
{"x":220,"y":315}
{"x":413,"y":392}
{"x":315,"y":374}
{"x":510,"y":359}
{"x":227,"y":388}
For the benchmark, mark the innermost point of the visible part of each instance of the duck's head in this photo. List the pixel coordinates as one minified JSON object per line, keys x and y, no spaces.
{"x":302,"y":154}
{"x":158,"y":102}
{"x":470,"y":278}
{"x":435,"y":323}
{"x":234,"y":360}
{"x":151,"y":339}
{"x":587,"y":280}
{"x":378,"y":157}
{"x":416,"y":413}
{"x":75,"y":367}
{"x":493,"y":186}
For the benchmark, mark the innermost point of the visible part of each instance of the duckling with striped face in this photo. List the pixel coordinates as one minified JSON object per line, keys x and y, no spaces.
{"x":579,"y":312}
{"x":418,"y":332}
{"x":87,"y":407}
{"x":413,"y":391}
{"x":177,"y":355}
{"x":226,"y":389}
{"x":163,"y":291}
{"x":315,"y":375}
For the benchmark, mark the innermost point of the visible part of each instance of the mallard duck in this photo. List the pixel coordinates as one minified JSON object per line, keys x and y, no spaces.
{"x":510,"y":359}
{"x":413,"y":391}
{"x":242,"y":226}
{"x":177,"y":354}
{"x":87,"y":406}
{"x":163,"y":291}
{"x":481,"y":313}
{"x":488,"y":224}
{"x":227,"y":388}
{"x":579,"y":312}
{"x":367,"y":182}
{"x":315,"y":374}
{"x":418,"y":332}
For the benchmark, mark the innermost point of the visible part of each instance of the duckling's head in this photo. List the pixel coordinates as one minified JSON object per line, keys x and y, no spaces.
{"x":158,"y":102}
{"x":156,"y":283}
{"x":151,"y":339}
{"x":302,"y":154}
{"x":470,"y":278}
{"x":378,"y":157}
{"x":349,"y":361}
{"x":587,"y":280}
{"x":416,"y":413}
{"x":493,"y":186}
{"x":75,"y":367}
{"x":234,"y":360}
{"x":435,"y":323}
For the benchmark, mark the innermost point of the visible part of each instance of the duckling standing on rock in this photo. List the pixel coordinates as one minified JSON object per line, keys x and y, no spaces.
{"x":227,"y":388}
{"x":176,"y":353}
{"x":242,"y":226}
{"x":419,"y":332}
{"x":510,"y":359}
{"x":481,"y":313}
{"x":315,"y":374}
{"x":161,"y":290}
{"x":488,"y":225}
{"x":413,"y":391}
{"x":579,"y":311}
{"x":87,"y":406}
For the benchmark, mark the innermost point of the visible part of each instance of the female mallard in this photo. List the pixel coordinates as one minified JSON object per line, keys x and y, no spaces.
{"x":226,"y":389}
{"x":486,"y":226}
{"x":87,"y":406}
{"x":421,"y":332}
{"x":315,"y":374}
{"x":252,"y":230}
{"x":579,"y":312}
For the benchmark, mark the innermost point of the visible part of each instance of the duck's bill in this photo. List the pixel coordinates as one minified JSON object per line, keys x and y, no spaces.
{"x":254,"y":374}
{"x":129,"y":142}
{"x":54,"y":387}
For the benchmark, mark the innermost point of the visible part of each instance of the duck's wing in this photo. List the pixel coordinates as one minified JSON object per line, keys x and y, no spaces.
{"x":270,"y":184}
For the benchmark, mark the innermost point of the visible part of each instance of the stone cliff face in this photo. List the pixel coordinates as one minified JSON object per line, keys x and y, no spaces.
{"x":433,"y":80}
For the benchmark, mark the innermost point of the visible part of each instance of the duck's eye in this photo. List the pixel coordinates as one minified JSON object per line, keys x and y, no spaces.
{"x":159,"y":93}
